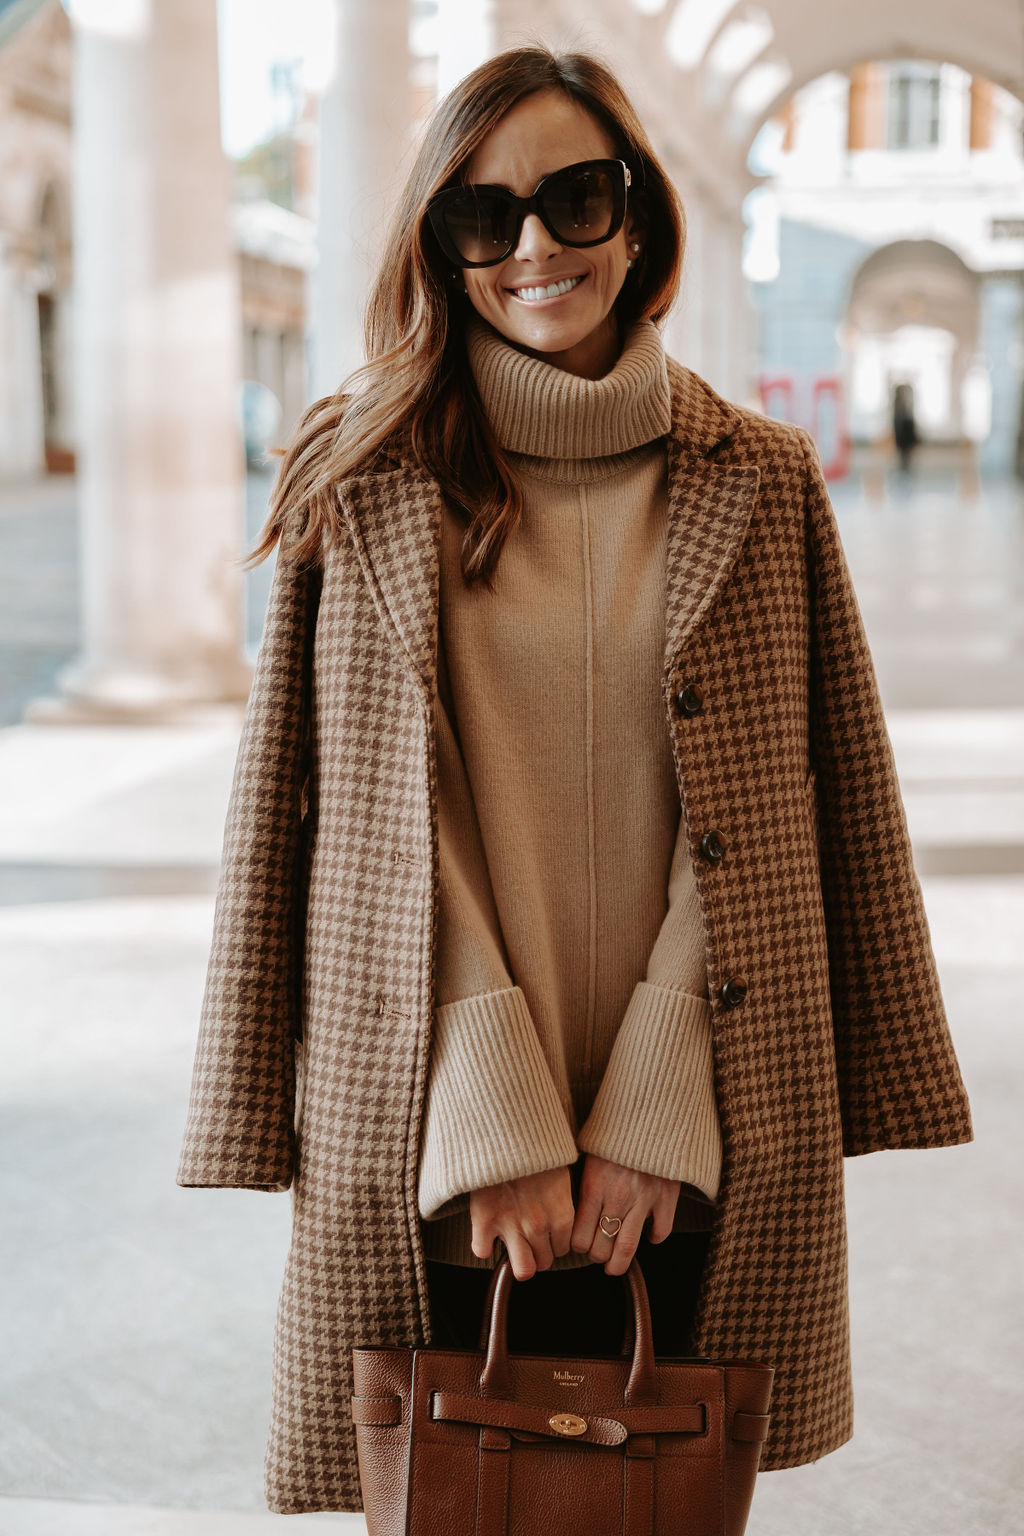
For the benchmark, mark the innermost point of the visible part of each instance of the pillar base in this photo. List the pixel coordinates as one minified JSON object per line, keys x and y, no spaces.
{"x":91,"y":696}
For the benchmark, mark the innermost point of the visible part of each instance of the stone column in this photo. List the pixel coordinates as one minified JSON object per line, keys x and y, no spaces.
{"x":160,"y":463}
{"x":467,"y":35}
{"x":365,"y":154}
{"x":725,"y":321}
{"x":683,"y":332}
{"x":738,"y":368}
{"x":714,"y":295}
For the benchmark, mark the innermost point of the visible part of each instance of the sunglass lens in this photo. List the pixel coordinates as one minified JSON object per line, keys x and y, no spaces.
{"x":479,"y":227}
{"x":580,"y":206}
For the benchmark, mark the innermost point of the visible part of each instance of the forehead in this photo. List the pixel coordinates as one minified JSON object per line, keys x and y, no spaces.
{"x":538,"y":135}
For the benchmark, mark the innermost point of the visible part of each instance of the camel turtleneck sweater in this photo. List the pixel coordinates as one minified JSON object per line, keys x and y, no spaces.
{"x":571,"y":999}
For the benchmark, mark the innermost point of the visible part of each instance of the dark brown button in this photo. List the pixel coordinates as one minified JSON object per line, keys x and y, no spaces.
{"x":689,"y":700}
{"x":733,"y":992}
{"x":712,"y":847}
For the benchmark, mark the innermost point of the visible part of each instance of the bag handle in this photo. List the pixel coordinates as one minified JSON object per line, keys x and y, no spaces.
{"x":495,"y":1376}
{"x":628,"y":1328}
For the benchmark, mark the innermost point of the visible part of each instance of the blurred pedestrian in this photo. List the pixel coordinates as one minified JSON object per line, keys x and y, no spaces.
{"x":904,"y":427}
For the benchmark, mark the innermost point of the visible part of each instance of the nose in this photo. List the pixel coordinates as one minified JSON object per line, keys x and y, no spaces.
{"x":535,"y":242}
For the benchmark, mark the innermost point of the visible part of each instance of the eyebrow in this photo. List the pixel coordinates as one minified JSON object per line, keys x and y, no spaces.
{"x":504,"y":185}
{"x":481,"y":182}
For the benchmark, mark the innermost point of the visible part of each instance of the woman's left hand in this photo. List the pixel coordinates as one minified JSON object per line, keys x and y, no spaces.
{"x":608,"y":1188}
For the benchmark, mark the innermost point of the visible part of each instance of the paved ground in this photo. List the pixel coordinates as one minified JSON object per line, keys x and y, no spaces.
{"x":136,"y":1318}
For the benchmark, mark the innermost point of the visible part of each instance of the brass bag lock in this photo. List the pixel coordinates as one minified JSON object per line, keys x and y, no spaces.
{"x":568,"y":1423}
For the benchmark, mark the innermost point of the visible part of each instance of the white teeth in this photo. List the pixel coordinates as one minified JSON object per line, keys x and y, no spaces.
{"x":531,"y":295}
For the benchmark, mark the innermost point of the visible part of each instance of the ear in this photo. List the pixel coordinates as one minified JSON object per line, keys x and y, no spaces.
{"x":636,"y":221}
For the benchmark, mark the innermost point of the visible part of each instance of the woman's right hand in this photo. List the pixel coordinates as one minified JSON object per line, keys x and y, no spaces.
{"x":532,"y":1215}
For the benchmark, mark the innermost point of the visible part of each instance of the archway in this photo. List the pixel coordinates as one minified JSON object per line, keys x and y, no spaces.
{"x":913,"y":317}
{"x":881,"y":253}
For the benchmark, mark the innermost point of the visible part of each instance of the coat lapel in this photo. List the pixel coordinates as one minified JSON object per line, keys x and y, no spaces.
{"x":709,"y":505}
{"x":395,"y":520}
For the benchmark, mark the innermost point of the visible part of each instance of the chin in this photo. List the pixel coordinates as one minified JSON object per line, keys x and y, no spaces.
{"x":551,"y":335}
{"x":552,"y":338}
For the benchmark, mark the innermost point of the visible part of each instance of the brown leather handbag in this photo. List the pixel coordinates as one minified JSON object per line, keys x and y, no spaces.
{"x":459,"y":1442}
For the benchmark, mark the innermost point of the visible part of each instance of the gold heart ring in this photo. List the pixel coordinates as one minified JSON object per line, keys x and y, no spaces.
{"x":618,"y":1223}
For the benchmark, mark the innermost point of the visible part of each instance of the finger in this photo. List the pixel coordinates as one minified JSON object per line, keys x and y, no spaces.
{"x":611,"y":1196}
{"x":482,"y":1242}
{"x":535,"y":1227}
{"x":534,"y":1220}
{"x":543,"y":1254}
{"x":560,"y":1235}
{"x":584,"y":1227}
{"x":632,"y":1220}
{"x":520,"y":1254}
{"x":655,"y":1233}
{"x":624,"y":1243}
{"x":663,"y":1214}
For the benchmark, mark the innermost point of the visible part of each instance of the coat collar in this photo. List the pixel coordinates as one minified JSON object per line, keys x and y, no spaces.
{"x":394,"y":517}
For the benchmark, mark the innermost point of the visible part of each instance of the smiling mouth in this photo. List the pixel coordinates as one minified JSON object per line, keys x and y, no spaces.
{"x":542,"y":293}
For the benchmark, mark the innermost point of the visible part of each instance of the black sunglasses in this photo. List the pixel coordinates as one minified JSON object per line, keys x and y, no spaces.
{"x":580,"y":205}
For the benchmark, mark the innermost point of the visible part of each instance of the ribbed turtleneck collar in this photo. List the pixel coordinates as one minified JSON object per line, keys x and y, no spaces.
{"x":539,"y":409}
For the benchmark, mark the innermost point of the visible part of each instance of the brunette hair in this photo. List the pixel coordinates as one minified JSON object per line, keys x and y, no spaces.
{"x":416,"y":393}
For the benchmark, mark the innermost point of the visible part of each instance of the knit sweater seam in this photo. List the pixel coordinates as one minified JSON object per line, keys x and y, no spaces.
{"x":588,"y":579}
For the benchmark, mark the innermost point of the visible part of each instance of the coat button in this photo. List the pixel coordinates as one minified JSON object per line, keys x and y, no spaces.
{"x":689,"y":700}
{"x":733,"y":992}
{"x":712,"y":848}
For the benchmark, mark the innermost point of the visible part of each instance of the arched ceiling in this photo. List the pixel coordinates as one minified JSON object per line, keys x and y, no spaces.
{"x":918,"y":281}
{"x":781,"y":45}
{"x":985,"y":38}
{"x":706,"y":74}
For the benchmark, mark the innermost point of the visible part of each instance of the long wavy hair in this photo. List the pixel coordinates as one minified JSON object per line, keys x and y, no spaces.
{"x":415,"y":395}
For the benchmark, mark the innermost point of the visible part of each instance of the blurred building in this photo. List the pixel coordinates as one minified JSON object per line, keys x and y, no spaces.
{"x":874,"y":234}
{"x":850,"y":226}
{"x":273,"y":240}
{"x":887,"y":248}
{"x":36,"y":404}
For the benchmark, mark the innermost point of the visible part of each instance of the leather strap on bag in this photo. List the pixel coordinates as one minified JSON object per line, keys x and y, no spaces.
{"x":686,"y":1419}
{"x":492,"y":1481}
{"x":749,"y":1427}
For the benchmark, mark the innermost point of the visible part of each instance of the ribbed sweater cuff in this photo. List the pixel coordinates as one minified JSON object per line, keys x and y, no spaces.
{"x":655,"y":1109}
{"x":493,"y":1111}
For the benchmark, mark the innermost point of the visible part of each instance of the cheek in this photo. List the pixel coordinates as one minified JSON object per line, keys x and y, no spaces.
{"x":616,"y":260}
{"x":482,"y":288}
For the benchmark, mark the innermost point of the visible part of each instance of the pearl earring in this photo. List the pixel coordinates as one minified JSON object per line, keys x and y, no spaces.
{"x":635,"y":246}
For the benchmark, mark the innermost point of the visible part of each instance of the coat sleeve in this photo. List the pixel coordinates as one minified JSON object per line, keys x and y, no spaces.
{"x":899,"y":1080}
{"x":493,"y":1111}
{"x":655,"y":1108}
{"x":239,"y":1130}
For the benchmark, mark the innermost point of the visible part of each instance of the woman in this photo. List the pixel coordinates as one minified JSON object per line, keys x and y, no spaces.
{"x":567,"y":897}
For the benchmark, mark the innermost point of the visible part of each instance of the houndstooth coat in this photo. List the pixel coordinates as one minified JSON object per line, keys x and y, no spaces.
{"x":830,"y":1037}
